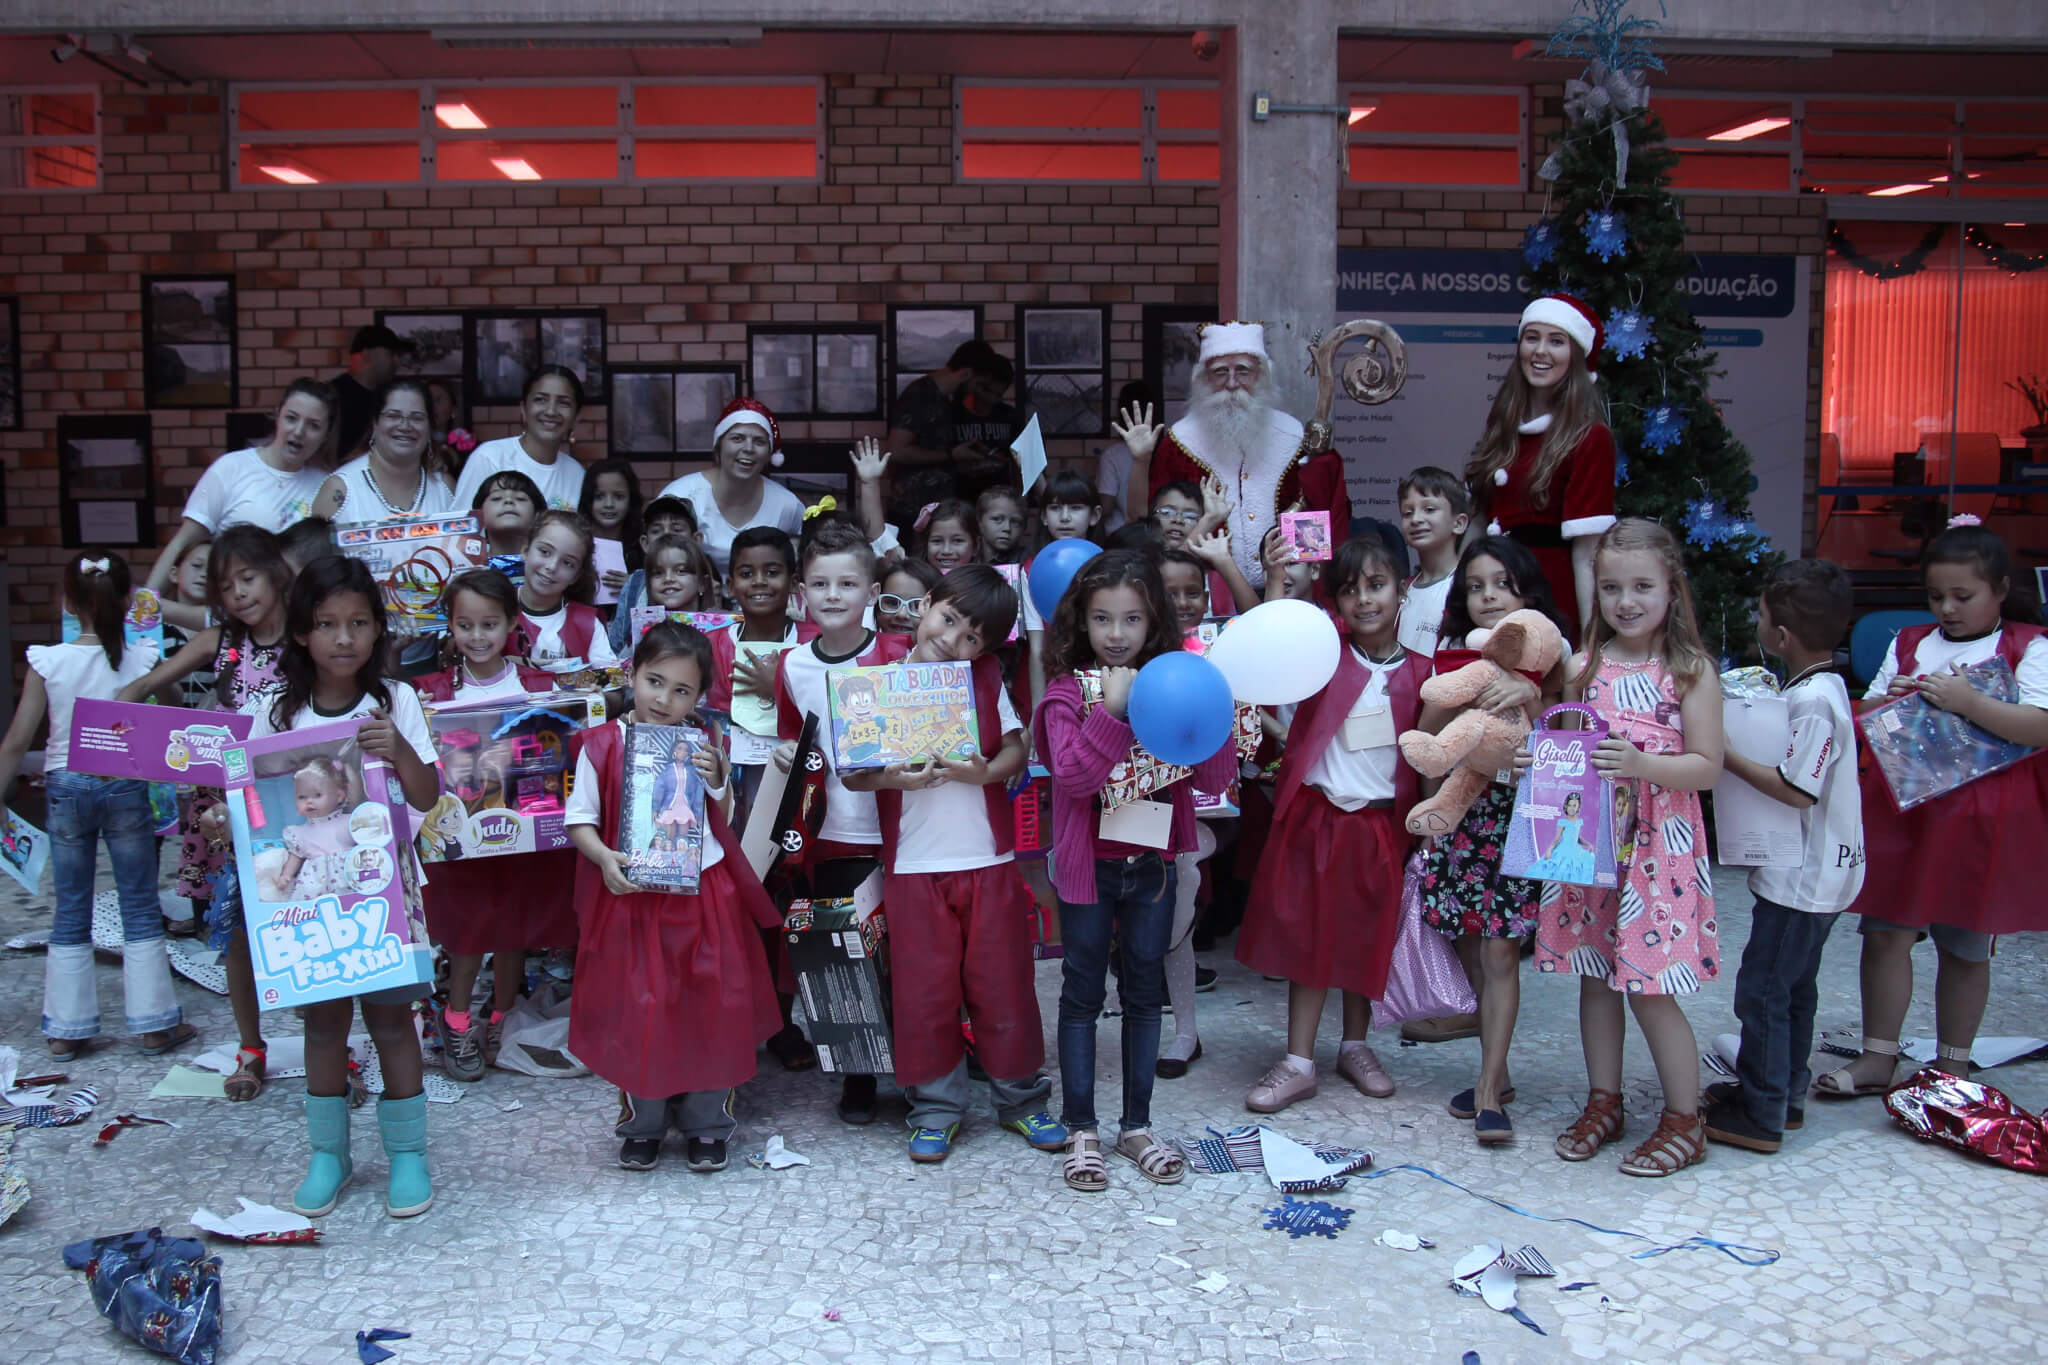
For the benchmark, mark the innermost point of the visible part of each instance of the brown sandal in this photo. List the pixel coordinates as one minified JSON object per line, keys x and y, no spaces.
{"x":1083,"y":1169}
{"x":1598,"y":1124}
{"x":246,"y":1082}
{"x":1680,"y":1141}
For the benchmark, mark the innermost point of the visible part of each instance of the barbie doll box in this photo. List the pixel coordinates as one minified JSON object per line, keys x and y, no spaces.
{"x":900,"y":713}
{"x":506,"y":774}
{"x":153,"y":743}
{"x":661,"y":807}
{"x":1925,"y":752}
{"x":323,"y":851}
{"x":1563,"y":826}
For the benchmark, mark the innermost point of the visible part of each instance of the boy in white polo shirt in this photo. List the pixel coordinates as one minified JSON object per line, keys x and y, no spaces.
{"x":1804,"y":613}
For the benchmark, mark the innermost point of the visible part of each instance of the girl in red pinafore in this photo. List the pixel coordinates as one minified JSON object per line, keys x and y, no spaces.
{"x":1545,"y":467}
{"x":1963,"y":867}
{"x":556,"y":620}
{"x":1326,"y":902}
{"x":505,"y":905}
{"x":672,"y":990}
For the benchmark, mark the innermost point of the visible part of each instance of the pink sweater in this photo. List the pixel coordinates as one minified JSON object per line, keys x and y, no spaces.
{"x":1080,"y":751}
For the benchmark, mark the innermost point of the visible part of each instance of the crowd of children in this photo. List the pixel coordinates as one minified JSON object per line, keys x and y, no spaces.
{"x":675,"y":992}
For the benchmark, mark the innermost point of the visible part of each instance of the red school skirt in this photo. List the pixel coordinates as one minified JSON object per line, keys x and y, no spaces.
{"x":1326,"y":904}
{"x":1967,"y":859}
{"x":962,"y":938}
{"x":672,"y":991}
{"x":516,"y":902}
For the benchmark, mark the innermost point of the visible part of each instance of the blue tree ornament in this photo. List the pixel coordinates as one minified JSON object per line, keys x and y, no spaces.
{"x":1663,"y":426}
{"x":1606,"y":234}
{"x":1620,"y":468}
{"x":1300,"y":1218}
{"x":1628,"y":333}
{"x":1706,"y":522}
{"x":1539,"y":243}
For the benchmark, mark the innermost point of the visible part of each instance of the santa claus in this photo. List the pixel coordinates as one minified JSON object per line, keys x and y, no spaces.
{"x":1233,"y":434}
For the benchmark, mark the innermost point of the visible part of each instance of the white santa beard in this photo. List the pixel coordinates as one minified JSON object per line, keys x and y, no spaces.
{"x":1234,"y":433}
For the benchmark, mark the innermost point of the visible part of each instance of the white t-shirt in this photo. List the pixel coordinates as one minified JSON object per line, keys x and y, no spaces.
{"x":561,"y":483}
{"x":240,"y":487}
{"x":77,"y":670}
{"x":583,"y":808}
{"x":1355,"y":778}
{"x":1937,"y":652}
{"x":1821,"y":762}
{"x":1027,"y":610}
{"x":361,"y":500}
{"x":850,"y":816}
{"x":779,"y":507}
{"x":406,"y":714}
{"x":945,"y":828}
{"x":547,"y":638}
{"x":505,"y":687}
{"x":1422,"y":615}
{"x":1112,"y":481}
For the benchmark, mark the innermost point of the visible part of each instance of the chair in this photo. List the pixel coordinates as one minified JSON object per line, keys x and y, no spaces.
{"x":1873,"y":635}
{"x":1978,"y":458}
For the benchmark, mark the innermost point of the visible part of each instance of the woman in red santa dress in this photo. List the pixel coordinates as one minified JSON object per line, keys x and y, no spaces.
{"x":1544,"y":470}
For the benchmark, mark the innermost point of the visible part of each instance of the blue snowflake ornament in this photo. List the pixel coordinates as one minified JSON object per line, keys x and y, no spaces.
{"x":1606,"y":234}
{"x":1663,"y":426}
{"x":1620,"y":467}
{"x":1539,"y":243}
{"x":1300,"y":1218}
{"x":1628,"y":333}
{"x":1706,"y":522}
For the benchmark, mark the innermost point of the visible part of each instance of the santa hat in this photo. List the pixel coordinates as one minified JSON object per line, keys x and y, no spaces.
{"x":755,"y":413}
{"x":1572,"y":317}
{"x":1232,"y":338}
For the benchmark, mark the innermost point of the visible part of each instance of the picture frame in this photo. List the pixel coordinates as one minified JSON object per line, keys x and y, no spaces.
{"x":105,"y":480}
{"x":508,"y":344}
{"x":189,"y":351}
{"x":806,"y":371}
{"x":1170,"y":348}
{"x":248,"y":430}
{"x":1063,"y":370}
{"x":10,"y":363}
{"x":668,"y":411}
{"x":923,"y":339}
{"x":440,"y":340}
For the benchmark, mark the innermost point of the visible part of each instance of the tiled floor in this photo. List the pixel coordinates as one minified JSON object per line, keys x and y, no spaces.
{"x":540,"y":1249}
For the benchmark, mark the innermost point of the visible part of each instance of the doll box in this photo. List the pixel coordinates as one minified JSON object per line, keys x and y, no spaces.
{"x":323,"y":853}
{"x":661,"y":807}
{"x":900,"y":713}
{"x":506,"y":774}
{"x":706,"y":621}
{"x":412,"y":559}
{"x":1925,"y":752}
{"x":153,"y":743}
{"x":1562,"y":828}
{"x":839,"y":949}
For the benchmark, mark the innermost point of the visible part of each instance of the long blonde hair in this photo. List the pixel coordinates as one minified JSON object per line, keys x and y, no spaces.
{"x":1683,"y":649}
{"x":1579,"y":409}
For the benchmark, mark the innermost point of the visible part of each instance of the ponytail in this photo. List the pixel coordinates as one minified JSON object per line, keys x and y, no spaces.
{"x":96,"y":588}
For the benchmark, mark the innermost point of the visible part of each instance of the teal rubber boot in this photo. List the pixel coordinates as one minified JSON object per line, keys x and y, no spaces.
{"x":327,"y":1131}
{"x":404,"y":1125}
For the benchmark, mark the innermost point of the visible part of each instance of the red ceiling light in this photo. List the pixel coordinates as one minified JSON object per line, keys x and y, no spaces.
{"x":515,"y":168}
{"x":459,"y":116}
{"x":1742,"y":132}
{"x":290,"y":175}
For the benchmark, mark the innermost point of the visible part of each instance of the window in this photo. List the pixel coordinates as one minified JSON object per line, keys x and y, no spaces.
{"x":478,"y":133}
{"x":1731,"y":142}
{"x":50,"y":139}
{"x":1077,"y":131}
{"x":1452,"y":136}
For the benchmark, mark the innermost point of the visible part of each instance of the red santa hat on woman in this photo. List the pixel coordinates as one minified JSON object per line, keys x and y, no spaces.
{"x":755,"y":413}
{"x":1572,"y":317}
{"x":1232,"y":338}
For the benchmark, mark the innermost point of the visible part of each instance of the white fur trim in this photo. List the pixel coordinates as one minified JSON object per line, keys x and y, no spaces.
{"x":1555,"y":312}
{"x":732,"y":420}
{"x":1494,"y":528}
{"x":1536,"y":425}
{"x":1233,"y":338}
{"x":1579,"y":527}
{"x":1500,"y":478}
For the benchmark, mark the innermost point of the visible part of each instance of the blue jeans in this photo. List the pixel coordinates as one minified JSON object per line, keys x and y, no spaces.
{"x":1776,"y":996}
{"x":82,"y":811}
{"x":1133,"y":910}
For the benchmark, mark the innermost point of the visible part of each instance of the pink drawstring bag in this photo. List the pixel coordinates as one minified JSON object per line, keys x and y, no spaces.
{"x":1426,"y":980}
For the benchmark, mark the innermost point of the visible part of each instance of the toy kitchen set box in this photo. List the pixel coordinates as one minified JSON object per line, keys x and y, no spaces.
{"x":506,"y":773}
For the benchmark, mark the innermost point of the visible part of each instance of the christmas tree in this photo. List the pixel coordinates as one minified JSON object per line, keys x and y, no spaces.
{"x":1613,"y":234}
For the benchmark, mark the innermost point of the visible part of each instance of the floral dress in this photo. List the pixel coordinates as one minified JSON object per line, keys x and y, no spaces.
{"x":243,"y":670}
{"x":1463,"y":891}
{"x":1656,"y":935}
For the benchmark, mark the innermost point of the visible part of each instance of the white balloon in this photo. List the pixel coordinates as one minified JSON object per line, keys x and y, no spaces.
{"x":1278,"y":652}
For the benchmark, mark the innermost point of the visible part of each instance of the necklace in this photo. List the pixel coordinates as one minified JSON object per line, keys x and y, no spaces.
{"x":370,"y":471}
{"x":1391,"y":658}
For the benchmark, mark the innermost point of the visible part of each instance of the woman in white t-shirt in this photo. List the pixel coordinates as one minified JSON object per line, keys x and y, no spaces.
{"x":735,"y":493}
{"x":83,"y":810}
{"x":271,"y":485}
{"x":554,"y":395}
{"x":391,"y":478}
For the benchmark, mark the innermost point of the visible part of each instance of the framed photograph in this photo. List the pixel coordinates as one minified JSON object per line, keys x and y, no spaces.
{"x":188,"y":342}
{"x":1170,"y":347}
{"x":1068,"y":404}
{"x":576,"y":341}
{"x":804,"y":371}
{"x":780,"y":366}
{"x":1065,"y":374}
{"x":665,"y":411}
{"x":440,"y":341}
{"x":10,"y":363}
{"x":1065,"y":338}
{"x":105,"y":480}
{"x":923,"y":339}
{"x":506,"y":346}
{"x":247,"y":430}
{"x":849,"y":373}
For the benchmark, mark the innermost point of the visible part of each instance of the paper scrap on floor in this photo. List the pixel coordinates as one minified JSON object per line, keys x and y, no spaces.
{"x":260,"y":1223}
{"x":776,"y":1156}
{"x":183,"y":1082}
{"x":10,"y":1093}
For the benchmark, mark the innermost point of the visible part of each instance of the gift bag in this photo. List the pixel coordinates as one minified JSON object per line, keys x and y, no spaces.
{"x":1426,"y":980}
{"x":1562,"y":829}
{"x":163,"y":1292}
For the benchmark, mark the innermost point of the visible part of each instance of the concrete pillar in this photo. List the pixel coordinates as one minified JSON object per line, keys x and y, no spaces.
{"x":1279,"y":184}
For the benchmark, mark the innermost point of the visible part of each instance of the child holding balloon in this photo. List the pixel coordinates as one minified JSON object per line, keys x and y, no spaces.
{"x":1114,"y":869}
{"x":1328,"y":898}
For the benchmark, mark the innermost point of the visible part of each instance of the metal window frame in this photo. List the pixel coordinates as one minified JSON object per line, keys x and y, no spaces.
{"x":97,"y":140}
{"x":429,"y":134}
{"x":1148,"y":134}
{"x":1519,"y":139}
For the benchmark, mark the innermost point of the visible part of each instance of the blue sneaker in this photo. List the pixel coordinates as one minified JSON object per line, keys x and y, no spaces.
{"x":1041,"y":1131}
{"x":933,"y":1144}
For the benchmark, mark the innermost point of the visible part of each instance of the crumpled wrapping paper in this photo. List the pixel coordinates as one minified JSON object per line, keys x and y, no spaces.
{"x":1972,"y":1117}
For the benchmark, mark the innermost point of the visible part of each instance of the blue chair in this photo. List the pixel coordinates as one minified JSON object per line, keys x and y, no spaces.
{"x":1873,"y":634}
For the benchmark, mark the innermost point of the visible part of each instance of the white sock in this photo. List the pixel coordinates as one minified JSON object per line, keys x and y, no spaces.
{"x":1350,"y":1045}
{"x":1305,"y":1065}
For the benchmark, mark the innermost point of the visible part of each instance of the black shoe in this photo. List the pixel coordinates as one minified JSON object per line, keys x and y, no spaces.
{"x":1204,"y":940}
{"x":1730,"y":1123}
{"x":706,"y":1157}
{"x":857,"y":1100}
{"x":641,"y":1154}
{"x":1730,"y":1092}
{"x":1205,"y":979}
{"x":1463,"y":1106}
{"x":792,"y":1049}
{"x":1173,"y":1068}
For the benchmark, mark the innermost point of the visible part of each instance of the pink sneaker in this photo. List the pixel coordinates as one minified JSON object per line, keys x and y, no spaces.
{"x":1281,"y":1086}
{"x":1361,"y":1066}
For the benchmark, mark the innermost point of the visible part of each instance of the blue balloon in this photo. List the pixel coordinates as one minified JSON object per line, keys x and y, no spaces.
{"x":1055,"y":568}
{"x":1180,"y":708}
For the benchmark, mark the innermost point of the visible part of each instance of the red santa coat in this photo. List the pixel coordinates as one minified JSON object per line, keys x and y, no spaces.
{"x":1579,"y":502}
{"x":1288,"y":474}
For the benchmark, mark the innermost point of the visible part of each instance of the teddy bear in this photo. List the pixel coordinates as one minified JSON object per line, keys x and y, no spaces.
{"x":1477,"y":744}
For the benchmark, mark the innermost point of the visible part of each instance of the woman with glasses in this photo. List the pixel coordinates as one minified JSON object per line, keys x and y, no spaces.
{"x":392,"y":478}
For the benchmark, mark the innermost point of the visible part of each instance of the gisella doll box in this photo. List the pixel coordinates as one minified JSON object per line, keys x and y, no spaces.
{"x":323,"y":852}
{"x":153,"y":743}
{"x":507,"y":772}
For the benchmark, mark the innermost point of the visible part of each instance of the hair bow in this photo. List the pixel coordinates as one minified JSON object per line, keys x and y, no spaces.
{"x":1960,"y":519}
{"x":828,"y":503}
{"x":95,"y":566}
{"x":924,"y":515}
{"x":1493,"y":528}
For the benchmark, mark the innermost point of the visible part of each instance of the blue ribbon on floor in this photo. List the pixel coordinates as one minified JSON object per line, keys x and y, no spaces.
{"x":1736,"y":1251}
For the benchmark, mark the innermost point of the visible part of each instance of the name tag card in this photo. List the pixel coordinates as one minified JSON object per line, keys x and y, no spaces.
{"x":1146,"y":823}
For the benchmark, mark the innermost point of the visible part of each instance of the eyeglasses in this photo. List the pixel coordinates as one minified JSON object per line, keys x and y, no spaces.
{"x":900,"y":606}
{"x":393,"y":417}
{"x":1175,"y":517}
